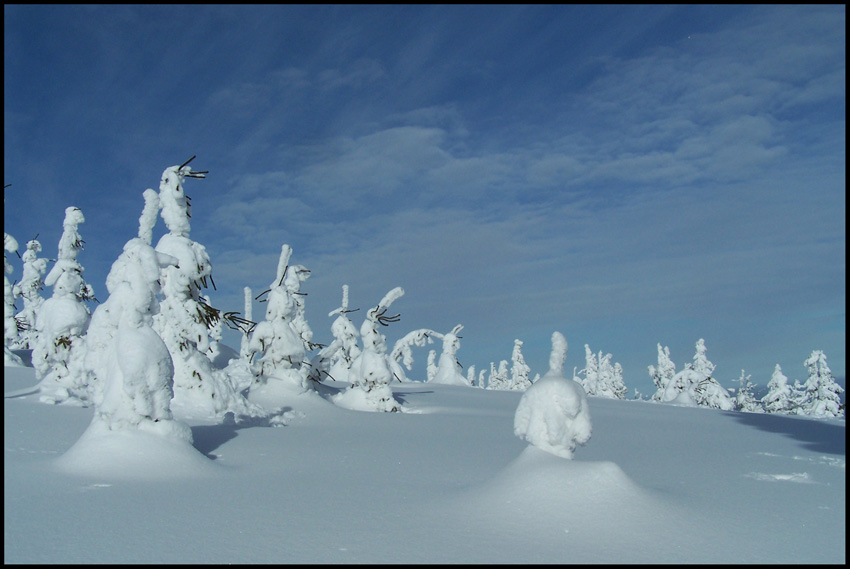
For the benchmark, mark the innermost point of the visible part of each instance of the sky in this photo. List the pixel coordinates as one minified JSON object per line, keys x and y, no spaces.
{"x":626,"y":175}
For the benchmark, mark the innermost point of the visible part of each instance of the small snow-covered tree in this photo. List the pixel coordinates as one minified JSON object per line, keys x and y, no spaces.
{"x":605,"y":379}
{"x":662,"y":374}
{"x":279,"y":346}
{"x":589,"y":375}
{"x":744,"y":399}
{"x":431,"y":366}
{"x":482,"y":380}
{"x":448,"y":368}
{"x":519,"y":369}
{"x":778,"y":396}
{"x":10,"y":326}
{"x":335,"y":359}
{"x":553,"y":414}
{"x":402,"y":350}
{"x":29,"y":289}
{"x":244,"y":352}
{"x":821,"y":390}
{"x":63,"y":320}
{"x":470,"y":375}
{"x":499,"y":379}
{"x":371,"y":373}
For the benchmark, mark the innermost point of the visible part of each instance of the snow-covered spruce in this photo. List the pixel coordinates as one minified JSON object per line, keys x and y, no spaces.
{"x":334,"y":360}
{"x":371,"y":373}
{"x":552,"y":414}
{"x":29,"y":290}
{"x":62,"y":322}
{"x":446,"y":370}
{"x":448,"y":367}
{"x":133,"y":424}
{"x":662,"y":374}
{"x":601,"y":378}
{"x":778,"y":398}
{"x":744,"y":399}
{"x":279,"y":365}
{"x":821,"y":390}
{"x":185,"y":320}
{"x":694,"y":385}
{"x":498,"y":378}
{"x":10,"y":326}
{"x":519,"y":369}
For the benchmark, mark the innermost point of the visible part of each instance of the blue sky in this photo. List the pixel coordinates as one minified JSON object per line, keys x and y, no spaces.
{"x":626,"y":175}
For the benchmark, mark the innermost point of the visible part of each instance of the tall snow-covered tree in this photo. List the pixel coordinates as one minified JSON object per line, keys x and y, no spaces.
{"x":553,"y":414}
{"x":402,"y":350}
{"x":134,"y":369}
{"x":694,"y":385}
{"x":778,"y":397}
{"x":744,"y":399}
{"x":589,"y":375}
{"x":371,"y":373}
{"x":62,"y":321}
{"x":519,"y":369}
{"x":29,"y":289}
{"x":185,"y":320}
{"x":662,"y":374}
{"x":10,"y":326}
{"x":604,"y":379}
{"x":821,"y":390}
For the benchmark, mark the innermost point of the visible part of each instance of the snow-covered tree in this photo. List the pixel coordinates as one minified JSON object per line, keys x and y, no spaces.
{"x":744,"y":399}
{"x":470,"y":375}
{"x":10,"y":326}
{"x":335,"y":359}
{"x":662,"y":374}
{"x":185,"y":320}
{"x":519,"y":369}
{"x":482,"y":380}
{"x":821,"y":390}
{"x":371,"y":373}
{"x":244,"y":352}
{"x":778,"y":397}
{"x":29,"y":289}
{"x":498,"y":378}
{"x":134,"y":369}
{"x":695,"y":386}
{"x":448,"y":368}
{"x":63,"y":320}
{"x":402,"y":350}
{"x":589,"y":375}
{"x":431,"y":366}
{"x":602,"y":378}
{"x":278,"y":344}
{"x":553,"y":414}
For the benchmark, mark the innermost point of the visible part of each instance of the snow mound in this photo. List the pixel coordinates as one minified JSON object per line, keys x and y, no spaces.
{"x":133,"y":454}
{"x":547,"y":500}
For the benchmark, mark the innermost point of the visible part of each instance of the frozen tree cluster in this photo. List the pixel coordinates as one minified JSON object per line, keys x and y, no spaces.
{"x":553,"y":414}
{"x":10,"y":326}
{"x":600,"y":377}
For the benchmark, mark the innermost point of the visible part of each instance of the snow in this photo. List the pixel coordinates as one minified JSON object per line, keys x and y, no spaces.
{"x":444,"y":482}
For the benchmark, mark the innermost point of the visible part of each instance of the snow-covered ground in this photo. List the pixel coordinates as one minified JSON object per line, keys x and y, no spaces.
{"x":445,"y":482}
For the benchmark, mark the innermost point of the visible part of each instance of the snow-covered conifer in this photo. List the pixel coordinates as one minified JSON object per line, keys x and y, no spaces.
{"x":62,"y":321}
{"x":482,"y":380}
{"x":695,"y":386}
{"x":499,"y":378}
{"x":470,"y":375}
{"x":778,"y":396}
{"x":371,"y":373}
{"x":519,"y":369}
{"x":403,"y":353}
{"x":185,"y":320}
{"x":10,"y":326}
{"x":590,"y":372}
{"x":29,"y":289}
{"x":662,"y":374}
{"x":609,"y":378}
{"x":821,"y":390}
{"x":448,"y":368}
{"x":279,"y":347}
{"x":553,"y":414}
{"x":244,"y":352}
{"x":431,"y":366}
{"x":335,"y":359}
{"x":744,"y":399}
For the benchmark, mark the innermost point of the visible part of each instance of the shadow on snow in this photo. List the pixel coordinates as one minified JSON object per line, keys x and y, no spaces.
{"x":813,"y":434}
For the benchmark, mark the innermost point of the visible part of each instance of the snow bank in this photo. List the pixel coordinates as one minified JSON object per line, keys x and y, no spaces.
{"x":133,"y":454}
